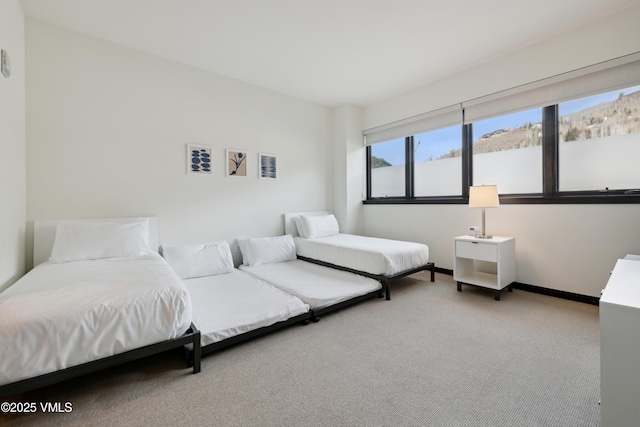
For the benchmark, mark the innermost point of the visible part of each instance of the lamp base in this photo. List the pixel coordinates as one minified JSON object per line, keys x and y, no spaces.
{"x":482,"y":235}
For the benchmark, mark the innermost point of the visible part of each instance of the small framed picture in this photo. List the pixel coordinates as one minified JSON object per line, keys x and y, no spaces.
{"x":267,"y":166}
{"x":236,"y":163}
{"x":199,"y":160}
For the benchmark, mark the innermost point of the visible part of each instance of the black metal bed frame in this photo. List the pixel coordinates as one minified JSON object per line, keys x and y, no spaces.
{"x":303,"y":318}
{"x":322,"y":311}
{"x":384,"y":280}
{"x":191,"y":336}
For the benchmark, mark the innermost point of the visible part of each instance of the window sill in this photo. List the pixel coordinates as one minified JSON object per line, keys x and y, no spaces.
{"x":586,"y":198}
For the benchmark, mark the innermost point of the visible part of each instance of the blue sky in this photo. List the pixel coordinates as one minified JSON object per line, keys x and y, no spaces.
{"x":442,"y":141}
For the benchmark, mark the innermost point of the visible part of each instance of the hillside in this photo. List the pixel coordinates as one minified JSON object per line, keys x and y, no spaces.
{"x":607,"y":119}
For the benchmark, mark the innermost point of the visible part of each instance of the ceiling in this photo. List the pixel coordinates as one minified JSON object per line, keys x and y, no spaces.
{"x":330,"y":52}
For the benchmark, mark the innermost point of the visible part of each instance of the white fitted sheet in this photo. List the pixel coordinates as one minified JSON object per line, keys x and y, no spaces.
{"x":314,"y":284}
{"x":62,"y":315}
{"x":233,"y":303}
{"x":368,"y":254}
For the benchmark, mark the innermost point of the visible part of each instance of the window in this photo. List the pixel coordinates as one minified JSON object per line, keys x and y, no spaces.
{"x":507,"y":151}
{"x":438,"y":162}
{"x":599,"y":142}
{"x":571,"y":138}
{"x":388,"y":160}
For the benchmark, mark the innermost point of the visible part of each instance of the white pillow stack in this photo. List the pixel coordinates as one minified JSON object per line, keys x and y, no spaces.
{"x":312,"y":227}
{"x":199,"y":260}
{"x":267,"y":250}
{"x":80,"y":240}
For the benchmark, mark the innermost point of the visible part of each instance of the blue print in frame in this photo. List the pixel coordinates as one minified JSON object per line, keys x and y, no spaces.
{"x":268,"y":168}
{"x":199,"y":160}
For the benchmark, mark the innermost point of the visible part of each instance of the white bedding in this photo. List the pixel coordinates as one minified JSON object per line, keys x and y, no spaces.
{"x":65,"y":314}
{"x":368,"y":254}
{"x":316,"y":285}
{"x":230,"y":304}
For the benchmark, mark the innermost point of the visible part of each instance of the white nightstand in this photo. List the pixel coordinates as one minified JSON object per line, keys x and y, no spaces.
{"x":469,"y":251}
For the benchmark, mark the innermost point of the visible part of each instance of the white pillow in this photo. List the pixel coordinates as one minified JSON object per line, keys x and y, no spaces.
{"x":267,"y":250}
{"x":198,"y":260}
{"x":244,"y":250}
{"x":80,"y":240}
{"x":319,"y":226}
{"x":298,"y":222}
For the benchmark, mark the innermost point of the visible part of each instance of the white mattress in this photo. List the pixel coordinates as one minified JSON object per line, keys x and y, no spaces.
{"x":368,"y":254}
{"x":230,"y":304}
{"x":314,"y":284}
{"x":62,"y":315}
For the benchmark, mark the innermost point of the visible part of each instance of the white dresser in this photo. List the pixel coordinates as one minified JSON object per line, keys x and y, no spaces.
{"x":620,"y":346}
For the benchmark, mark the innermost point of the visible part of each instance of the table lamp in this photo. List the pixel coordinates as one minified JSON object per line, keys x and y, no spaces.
{"x":483,"y":196}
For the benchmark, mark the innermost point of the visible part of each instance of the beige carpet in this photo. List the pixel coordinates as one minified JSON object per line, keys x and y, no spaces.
{"x":429,"y":357}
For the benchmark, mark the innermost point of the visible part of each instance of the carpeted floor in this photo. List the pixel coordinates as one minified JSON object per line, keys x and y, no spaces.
{"x":429,"y":357}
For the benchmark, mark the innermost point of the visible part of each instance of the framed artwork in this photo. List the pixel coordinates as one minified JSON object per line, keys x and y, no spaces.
{"x":199,"y":160}
{"x":267,"y":166}
{"x":236,"y":163}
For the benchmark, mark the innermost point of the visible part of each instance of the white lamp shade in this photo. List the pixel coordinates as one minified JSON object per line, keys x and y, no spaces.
{"x":484,"y":196}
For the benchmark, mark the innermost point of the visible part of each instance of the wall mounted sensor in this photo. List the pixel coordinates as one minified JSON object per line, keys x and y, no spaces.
{"x":5,"y":64}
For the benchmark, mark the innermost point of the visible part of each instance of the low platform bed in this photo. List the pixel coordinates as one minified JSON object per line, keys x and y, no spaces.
{"x":318,"y":240}
{"x":102,"y":298}
{"x":230,"y":306}
{"x":324,"y":289}
{"x":273,"y":260}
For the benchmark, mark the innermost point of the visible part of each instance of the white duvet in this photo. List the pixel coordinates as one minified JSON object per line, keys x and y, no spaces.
{"x":314,"y":284}
{"x":230,"y":304}
{"x":62,"y":315}
{"x":368,"y":254}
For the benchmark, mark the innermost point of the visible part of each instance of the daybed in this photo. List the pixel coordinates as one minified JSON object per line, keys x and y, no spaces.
{"x":318,"y":240}
{"x":230,"y":306}
{"x":103,"y":298}
{"x":273,"y":259}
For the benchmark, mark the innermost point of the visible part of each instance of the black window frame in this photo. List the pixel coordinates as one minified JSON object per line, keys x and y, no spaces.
{"x":550,"y":170}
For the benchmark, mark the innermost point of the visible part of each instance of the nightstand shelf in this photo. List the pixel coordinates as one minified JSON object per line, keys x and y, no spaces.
{"x":478,"y":278}
{"x":470,"y":252}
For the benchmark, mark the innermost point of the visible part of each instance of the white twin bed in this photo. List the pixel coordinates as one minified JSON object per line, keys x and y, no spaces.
{"x":318,"y":240}
{"x":102,"y":298}
{"x":374,"y":255}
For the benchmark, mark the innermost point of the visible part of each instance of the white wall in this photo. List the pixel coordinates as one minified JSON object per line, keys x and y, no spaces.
{"x":12,"y":146}
{"x":614,"y":36}
{"x":565,"y":247}
{"x":107,"y":134}
{"x":348,"y":159}
{"x":107,"y":129}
